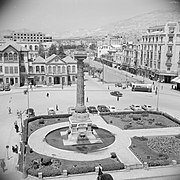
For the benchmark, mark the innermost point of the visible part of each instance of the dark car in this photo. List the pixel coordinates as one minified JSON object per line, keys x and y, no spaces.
{"x":118,"y":85}
{"x":92,"y":109}
{"x":30,"y":112}
{"x":7,"y":87}
{"x":116,"y":93}
{"x":102,"y":108}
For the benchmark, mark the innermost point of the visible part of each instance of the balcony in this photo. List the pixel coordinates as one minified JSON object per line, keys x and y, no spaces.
{"x":169,"y":54}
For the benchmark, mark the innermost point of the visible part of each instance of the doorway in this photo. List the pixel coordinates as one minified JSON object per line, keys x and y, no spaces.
{"x":11,"y":81}
{"x":56,"y":80}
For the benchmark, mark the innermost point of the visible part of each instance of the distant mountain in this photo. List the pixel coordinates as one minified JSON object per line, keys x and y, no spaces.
{"x":131,"y":28}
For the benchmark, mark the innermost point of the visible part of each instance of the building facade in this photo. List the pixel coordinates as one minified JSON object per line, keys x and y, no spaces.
{"x":13,"y":64}
{"x":160,"y":52}
{"x":29,"y":36}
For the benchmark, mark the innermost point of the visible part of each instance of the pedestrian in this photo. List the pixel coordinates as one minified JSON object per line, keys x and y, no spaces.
{"x":108,"y":87}
{"x":161,"y":87}
{"x":3,"y":165}
{"x":17,"y":128}
{"x":172,"y":87}
{"x":57,"y":107}
{"x":10,"y":112}
{"x":16,"y":149}
{"x":117,"y":98}
{"x":87,"y":99}
{"x":47,"y":94}
{"x":156,"y":91}
{"x":100,"y":173}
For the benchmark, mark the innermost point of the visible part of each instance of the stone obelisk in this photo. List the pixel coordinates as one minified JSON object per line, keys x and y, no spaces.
{"x":80,"y":125}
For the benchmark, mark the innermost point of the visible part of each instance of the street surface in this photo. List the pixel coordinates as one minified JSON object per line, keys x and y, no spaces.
{"x":97,"y":93}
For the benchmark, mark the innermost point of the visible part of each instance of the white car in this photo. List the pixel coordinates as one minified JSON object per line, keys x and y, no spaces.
{"x":112,"y":108}
{"x":147,"y":107}
{"x":51,"y":111}
{"x":136,"y":107}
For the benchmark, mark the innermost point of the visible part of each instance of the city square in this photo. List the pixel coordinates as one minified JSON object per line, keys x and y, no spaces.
{"x":90,"y":89}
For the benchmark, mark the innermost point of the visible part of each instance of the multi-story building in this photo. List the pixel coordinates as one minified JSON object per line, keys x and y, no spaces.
{"x":29,"y":36}
{"x":13,"y":64}
{"x":160,"y":52}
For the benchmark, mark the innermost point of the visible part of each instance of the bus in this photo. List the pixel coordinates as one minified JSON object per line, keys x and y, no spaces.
{"x":142,"y":87}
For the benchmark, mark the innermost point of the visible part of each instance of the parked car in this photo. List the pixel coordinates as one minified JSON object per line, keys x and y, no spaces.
{"x":30,"y":112}
{"x":7,"y":87}
{"x":116,"y":93}
{"x":136,"y":107}
{"x":1,"y":87}
{"x":118,"y":85}
{"x":92,"y":109}
{"x":112,"y":108}
{"x":71,"y":110}
{"x":147,"y":107}
{"x":51,"y":111}
{"x":102,"y":108}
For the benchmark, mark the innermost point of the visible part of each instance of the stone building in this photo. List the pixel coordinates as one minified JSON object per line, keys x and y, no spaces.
{"x":160,"y":51}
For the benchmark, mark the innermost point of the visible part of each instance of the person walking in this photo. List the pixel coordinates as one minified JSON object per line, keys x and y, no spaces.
{"x":16,"y":128}
{"x":47,"y":94}
{"x":16,"y":149}
{"x":57,"y":107}
{"x":117,"y":98}
{"x":3,"y":165}
{"x":87,"y":99}
{"x":13,"y":149}
{"x":10,"y":112}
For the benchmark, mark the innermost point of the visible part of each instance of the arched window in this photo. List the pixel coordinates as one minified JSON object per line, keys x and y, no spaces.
{"x":49,"y":69}
{"x":36,"y":48}
{"x":73,"y":68}
{"x":63,"y":69}
{"x":59,"y":69}
{"x":37,"y":68}
{"x":15,"y":56}
{"x":30,"y":47}
{"x":54,"y":69}
{"x":10,"y":56}
{"x":42,"y":68}
{"x":69,"y":69}
{"x":5,"y":56}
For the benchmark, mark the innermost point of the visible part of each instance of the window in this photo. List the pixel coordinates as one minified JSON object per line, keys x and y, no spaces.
{"x":37,"y":69}
{"x":5,"y":56}
{"x":170,"y":39}
{"x":50,"y":80}
{"x":22,"y":69}
{"x":42,"y":68}
{"x":1,"y":70}
{"x":16,"y":80}
{"x":49,"y":69}
{"x":156,"y":39}
{"x":16,"y":70}
{"x":161,"y":39}
{"x":73,"y":68}
{"x":69,"y":68}
{"x":59,"y":69}
{"x":63,"y":69}
{"x":36,"y":48}
{"x":10,"y":56}
{"x":0,"y":57}
{"x":22,"y":57}
{"x":11,"y":70}
{"x":6,"y":70}
{"x":15,"y":56}
{"x":54,"y":69}
{"x":42,"y":78}
{"x":7,"y":80}
{"x":73,"y":78}
{"x":30,"y":47}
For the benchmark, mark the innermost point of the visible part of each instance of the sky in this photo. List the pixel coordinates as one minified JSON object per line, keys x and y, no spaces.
{"x":59,"y":16}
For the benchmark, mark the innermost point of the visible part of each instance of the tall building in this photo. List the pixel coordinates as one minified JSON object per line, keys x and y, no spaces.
{"x":160,"y":52}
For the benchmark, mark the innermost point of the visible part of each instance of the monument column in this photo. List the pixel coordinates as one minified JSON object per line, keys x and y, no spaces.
{"x":80,"y":107}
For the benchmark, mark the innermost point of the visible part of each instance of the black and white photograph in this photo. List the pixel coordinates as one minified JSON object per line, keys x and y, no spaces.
{"x":90,"y":89}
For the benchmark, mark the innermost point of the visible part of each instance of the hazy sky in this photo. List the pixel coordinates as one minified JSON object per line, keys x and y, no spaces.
{"x":58,"y":16}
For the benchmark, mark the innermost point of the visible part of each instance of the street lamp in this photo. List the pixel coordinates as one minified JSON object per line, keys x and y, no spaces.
{"x":7,"y":151}
{"x":158,"y":91}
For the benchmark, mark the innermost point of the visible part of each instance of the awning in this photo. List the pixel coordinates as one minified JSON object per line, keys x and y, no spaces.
{"x":176,"y":79}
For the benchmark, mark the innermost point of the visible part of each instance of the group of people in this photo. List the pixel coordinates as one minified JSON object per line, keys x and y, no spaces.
{"x":15,"y":149}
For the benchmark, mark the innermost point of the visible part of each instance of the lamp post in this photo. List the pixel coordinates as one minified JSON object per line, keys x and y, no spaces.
{"x":7,"y":151}
{"x":158,"y":91}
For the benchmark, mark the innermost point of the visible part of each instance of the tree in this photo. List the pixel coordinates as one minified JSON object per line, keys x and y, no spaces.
{"x":41,"y":51}
{"x":60,"y":51}
{"x":52,"y":50}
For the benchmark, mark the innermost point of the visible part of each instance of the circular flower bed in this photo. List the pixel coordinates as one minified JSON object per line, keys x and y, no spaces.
{"x":165,"y":145}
